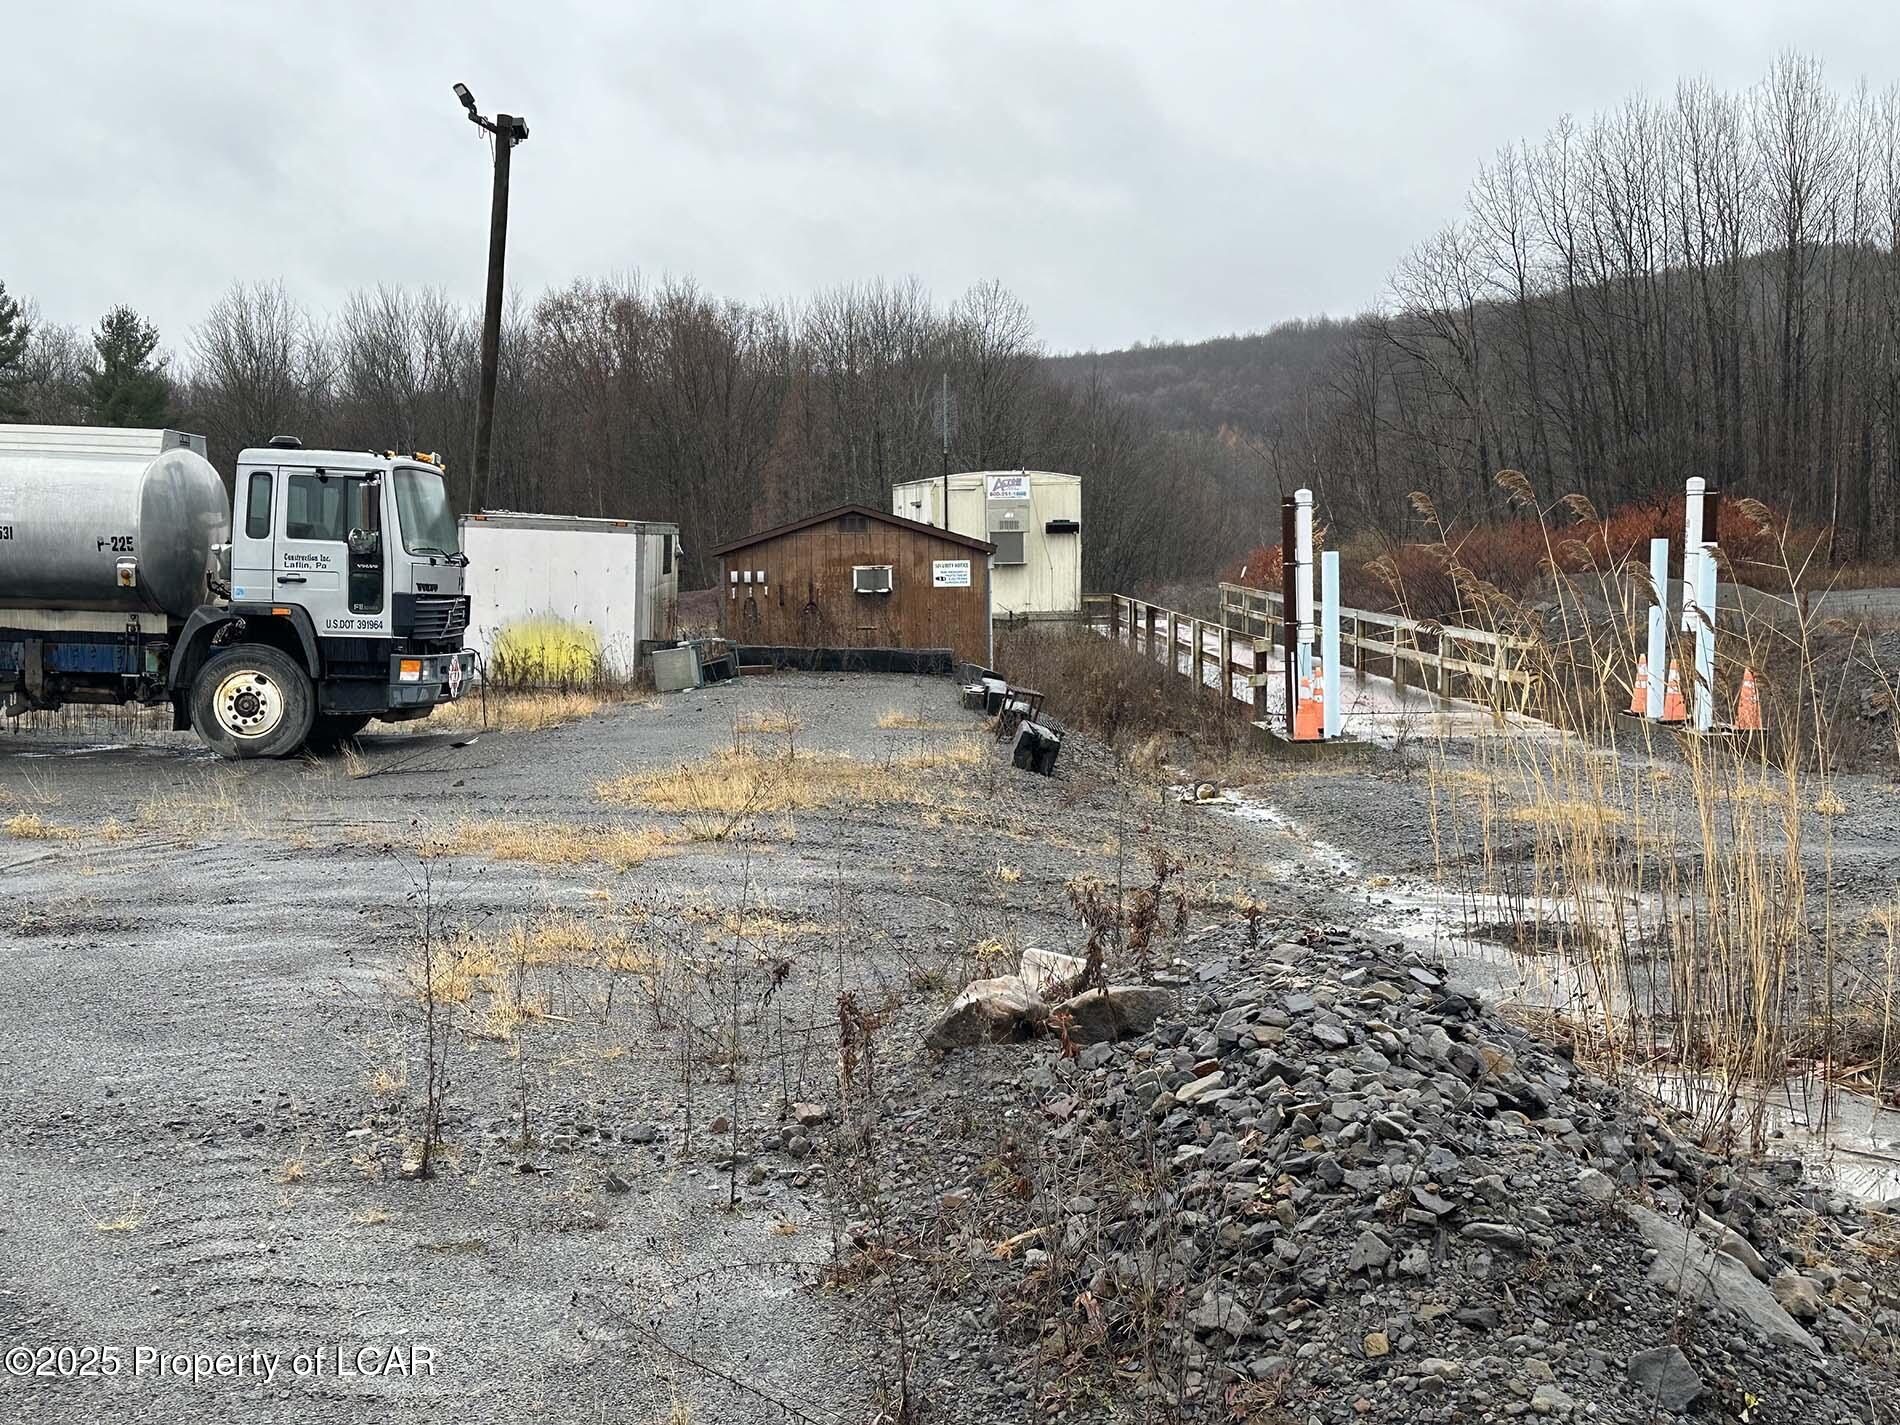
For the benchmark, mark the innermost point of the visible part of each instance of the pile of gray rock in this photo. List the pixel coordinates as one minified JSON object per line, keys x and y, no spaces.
{"x":1327,"y":1185}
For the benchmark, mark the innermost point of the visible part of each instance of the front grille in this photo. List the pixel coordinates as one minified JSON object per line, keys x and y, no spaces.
{"x":439,"y":616}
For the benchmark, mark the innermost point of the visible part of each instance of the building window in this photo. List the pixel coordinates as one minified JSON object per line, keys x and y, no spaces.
{"x":871,"y":578}
{"x":666,"y":554}
{"x":851,"y":524}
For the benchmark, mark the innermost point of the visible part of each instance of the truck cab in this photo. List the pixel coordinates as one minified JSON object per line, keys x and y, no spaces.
{"x":357,"y":553}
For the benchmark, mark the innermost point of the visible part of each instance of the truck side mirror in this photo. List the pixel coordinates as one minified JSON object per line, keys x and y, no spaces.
{"x":366,"y":541}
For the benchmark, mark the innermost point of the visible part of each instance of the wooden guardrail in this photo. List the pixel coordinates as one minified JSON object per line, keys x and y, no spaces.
{"x":1441,"y":651}
{"x":1244,"y":647}
{"x":1210,"y":647}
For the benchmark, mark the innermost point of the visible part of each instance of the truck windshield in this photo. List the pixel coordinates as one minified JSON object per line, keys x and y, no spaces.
{"x":422,"y":502}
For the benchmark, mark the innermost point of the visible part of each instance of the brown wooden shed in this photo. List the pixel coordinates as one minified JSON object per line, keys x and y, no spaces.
{"x":855,"y":577}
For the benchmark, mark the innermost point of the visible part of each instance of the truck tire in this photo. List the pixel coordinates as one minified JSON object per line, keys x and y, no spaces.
{"x":329,"y":731}
{"x":253,"y":701}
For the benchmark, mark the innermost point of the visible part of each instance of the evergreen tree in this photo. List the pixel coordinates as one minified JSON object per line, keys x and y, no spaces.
{"x":14,"y":331}
{"x":129,"y":388}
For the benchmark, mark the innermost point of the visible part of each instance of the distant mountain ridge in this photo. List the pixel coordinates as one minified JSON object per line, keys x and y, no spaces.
{"x":1245,"y":381}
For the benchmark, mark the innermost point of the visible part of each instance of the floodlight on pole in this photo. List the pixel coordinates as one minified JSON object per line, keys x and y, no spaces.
{"x":507,"y":130}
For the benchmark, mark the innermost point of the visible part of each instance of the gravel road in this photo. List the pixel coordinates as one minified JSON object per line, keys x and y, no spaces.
{"x":199,"y":957}
{"x":213,"y":1075}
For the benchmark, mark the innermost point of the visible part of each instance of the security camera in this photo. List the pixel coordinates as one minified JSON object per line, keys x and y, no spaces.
{"x":468,"y":99}
{"x":520,"y":130}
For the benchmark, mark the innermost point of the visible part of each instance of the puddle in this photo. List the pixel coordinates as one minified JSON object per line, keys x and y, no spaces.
{"x":1328,"y":856}
{"x":1847,"y":1139}
{"x":169,"y":752}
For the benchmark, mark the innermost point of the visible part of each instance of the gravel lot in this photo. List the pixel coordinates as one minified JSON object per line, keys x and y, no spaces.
{"x":214,"y":1076}
{"x":200,"y":958}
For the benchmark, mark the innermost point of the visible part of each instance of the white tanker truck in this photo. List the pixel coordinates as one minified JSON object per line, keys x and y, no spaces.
{"x":328,"y":592}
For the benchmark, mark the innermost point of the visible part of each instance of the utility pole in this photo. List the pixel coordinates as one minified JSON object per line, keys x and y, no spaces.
{"x":507,"y":130}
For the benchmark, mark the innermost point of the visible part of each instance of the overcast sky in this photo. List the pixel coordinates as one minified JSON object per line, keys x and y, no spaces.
{"x":1163,"y":170}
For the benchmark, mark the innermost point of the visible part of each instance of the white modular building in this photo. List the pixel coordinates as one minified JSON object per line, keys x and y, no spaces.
{"x":617,"y":578}
{"x":1033,"y":517}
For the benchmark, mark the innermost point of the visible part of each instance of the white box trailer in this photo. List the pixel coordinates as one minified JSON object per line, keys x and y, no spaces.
{"x":618,"y":578}
{"x":1033,"y":517}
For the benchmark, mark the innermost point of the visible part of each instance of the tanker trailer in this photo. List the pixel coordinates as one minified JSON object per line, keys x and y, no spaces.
{"x":328,"y":595}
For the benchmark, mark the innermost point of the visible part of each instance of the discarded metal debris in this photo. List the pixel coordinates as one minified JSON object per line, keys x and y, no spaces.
{"x":1020,"y":705}
{"x":1017,"y":713}
{"x":1036,"y":749}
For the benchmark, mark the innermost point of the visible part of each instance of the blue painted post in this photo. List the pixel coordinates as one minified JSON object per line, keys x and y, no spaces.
{"x":1705,"y":640}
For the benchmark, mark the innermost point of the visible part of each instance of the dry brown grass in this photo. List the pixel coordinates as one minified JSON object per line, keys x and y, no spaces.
{"x":209,"y":804}
{"x":780,"y":721}
{"x":760,"y":924}
{"x":894,"y":718}
{"x":386,"y":1082}
{"x":525,"y":711}
{"x":499,"y":982}
{"x":553,"y":843}
{"x":1567,"y":814}
{"x":1126,"y":698}
{"x":30,"y":826}
{"x":128,"y":1219}
{"x":744,"y":783}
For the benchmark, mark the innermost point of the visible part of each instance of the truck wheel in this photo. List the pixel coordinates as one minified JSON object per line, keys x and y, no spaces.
{"x":329,"y":731}
{"x":253,"y":701}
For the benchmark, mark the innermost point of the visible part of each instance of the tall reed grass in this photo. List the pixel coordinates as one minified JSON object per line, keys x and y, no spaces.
{"x":1682,"y":885}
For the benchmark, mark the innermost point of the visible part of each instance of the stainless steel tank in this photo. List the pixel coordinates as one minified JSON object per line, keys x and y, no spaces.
{"x":107,"y":521}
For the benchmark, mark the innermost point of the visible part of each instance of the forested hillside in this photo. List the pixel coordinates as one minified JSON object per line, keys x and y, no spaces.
{"x":1707,"y":283}
{"x":1248,"y":382}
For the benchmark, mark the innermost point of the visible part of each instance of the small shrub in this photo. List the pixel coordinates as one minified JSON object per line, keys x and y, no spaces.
{"x":545,"y":653}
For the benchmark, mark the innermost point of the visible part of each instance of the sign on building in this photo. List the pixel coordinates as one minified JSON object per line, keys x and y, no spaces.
{"x":1008,"y":487}
{"x":950,"y":574}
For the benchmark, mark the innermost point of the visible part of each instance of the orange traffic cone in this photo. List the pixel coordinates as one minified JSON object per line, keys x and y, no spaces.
{"x":1674,"y":710}
{"x":1748,"y":704}
{"x":1639,"y":695}
{"x":1308,"y":718}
